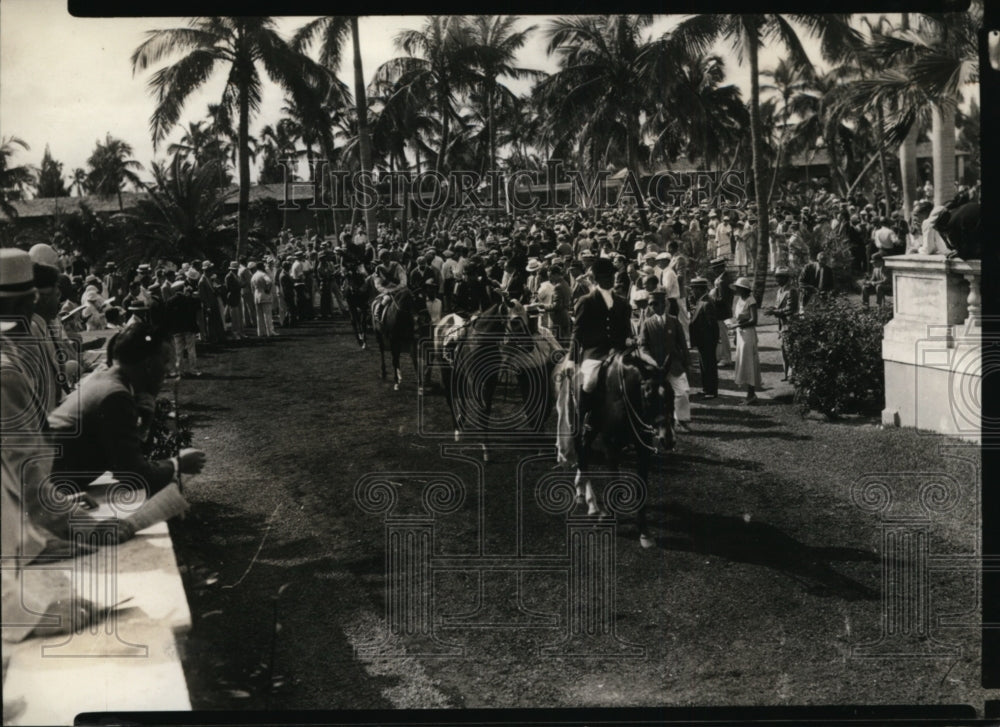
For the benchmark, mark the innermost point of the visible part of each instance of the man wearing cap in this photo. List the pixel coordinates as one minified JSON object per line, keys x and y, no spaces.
{"x":602,"y":325}
{"x":262,"y":283}
{"x":816,"y":277}
{"x":786,"y":305}
{"x":663,"y":346}
{"x":705,"y":334}
{"x":234,"y":299}
{"x":182,"y":321}
{"x":245,"y":273}
{"x":389,"y":278}
{"x":216,"y":329}
{"x":877,"y":281}
{"x":559,"y":307}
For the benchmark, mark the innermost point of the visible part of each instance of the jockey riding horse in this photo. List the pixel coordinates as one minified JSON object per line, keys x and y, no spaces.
{"x":624,"y":389}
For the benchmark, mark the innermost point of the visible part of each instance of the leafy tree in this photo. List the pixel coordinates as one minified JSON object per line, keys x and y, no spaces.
{"x":184,"y":214}
{"x":16,"y":182}
{"x":79,"y":182}
{"x":748,"y":33}
{"x":112,"y":167}
{"x":238,"y":44}
{"x":50,"y":179}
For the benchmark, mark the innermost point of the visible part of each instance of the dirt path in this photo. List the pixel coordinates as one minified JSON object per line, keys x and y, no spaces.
{"x":766,"y":572}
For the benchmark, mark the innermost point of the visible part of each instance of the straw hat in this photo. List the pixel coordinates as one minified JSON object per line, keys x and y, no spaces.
{"x":17,"y":273}
{"x":533,"y":265}
{"x":742,"y":283}
{"x":44,"y":255}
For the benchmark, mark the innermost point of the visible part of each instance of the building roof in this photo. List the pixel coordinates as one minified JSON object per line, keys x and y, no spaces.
{"x":53,"y":206}
{"x":820,"y":157}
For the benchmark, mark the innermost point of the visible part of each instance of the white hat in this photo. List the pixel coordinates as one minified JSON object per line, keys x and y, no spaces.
{"x":533,"y":265}
{"x":17,"y":274}
{"x":44,"y":255}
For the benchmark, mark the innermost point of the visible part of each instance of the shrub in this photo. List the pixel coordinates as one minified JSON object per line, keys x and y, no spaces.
{"x":168,"y":433}
{"x":835,"y":351}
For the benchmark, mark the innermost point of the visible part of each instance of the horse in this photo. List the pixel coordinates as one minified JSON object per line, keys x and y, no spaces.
{"x":397,"y":328}
{"x":358,"y":291}
{"x":473,"y":352}
{"x":632,"y":409}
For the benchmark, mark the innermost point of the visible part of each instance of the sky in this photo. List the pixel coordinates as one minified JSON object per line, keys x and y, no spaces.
{"x":67,"y":81}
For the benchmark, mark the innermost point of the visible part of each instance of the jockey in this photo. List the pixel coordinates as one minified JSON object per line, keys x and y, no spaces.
{"x":602,"y":327}
{"x":389,"y":278}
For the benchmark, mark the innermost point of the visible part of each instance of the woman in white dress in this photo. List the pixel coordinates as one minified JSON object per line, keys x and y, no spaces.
{"x":744,"y":320}
{"x":740,"y":255}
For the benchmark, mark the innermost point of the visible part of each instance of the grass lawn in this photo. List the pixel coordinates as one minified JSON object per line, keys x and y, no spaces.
{"x":766,"y":574}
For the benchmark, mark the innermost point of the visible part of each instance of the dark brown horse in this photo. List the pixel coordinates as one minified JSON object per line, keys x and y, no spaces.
{"x":633,"y":410}
{"x":396,"y":327}
{"x":474,"y":353}
{"x":358,"y":291}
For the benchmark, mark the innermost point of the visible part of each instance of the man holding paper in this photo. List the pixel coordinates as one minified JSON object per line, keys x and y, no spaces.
{"x":100,"y":433}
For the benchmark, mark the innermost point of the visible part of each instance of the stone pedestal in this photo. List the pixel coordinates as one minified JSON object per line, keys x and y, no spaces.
{"x":932,"y":347}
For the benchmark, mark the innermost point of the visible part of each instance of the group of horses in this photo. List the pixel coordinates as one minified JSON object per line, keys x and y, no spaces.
{"x":633,"y":408}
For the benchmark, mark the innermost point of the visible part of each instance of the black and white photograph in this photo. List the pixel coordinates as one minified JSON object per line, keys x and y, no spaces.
{"x":473,"y":362}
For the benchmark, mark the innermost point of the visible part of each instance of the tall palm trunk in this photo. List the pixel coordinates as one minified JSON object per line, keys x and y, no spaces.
{"x":908,"y":154}
{"x":244,"y":152}
{"x":908,"y":170}
{"x":883,"y":167}
{"x":361,"y":101}
{"x":943,"y":143}
{"x":492,"y":128}
{"x":439,"y":164}
{"x":760,"y":261}
{"x":633,"y":165}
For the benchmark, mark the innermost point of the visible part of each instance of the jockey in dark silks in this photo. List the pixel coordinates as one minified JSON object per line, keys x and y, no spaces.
{"x":389,"y":278}
{"x":476,"y":292}
{"x":355,"y":255}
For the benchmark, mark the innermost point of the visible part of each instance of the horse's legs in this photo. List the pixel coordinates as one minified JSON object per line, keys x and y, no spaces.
{"x":643,"y":461}
{"x":381,"y":354}
{"x":447,"y":376}
{"x":489,"y":391}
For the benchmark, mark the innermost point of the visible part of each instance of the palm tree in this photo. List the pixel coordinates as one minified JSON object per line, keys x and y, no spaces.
{"x":15,"y":181}
{"x":928,"y":67}
{"x":436,"y":66}
{"x":239,"y":44}
{"x":493,"y":45}
{"x":698,"y":114}
{"x":184,"y":213}
{"x":111,"y":167}
{"x":277,"y":144}
{"x":786,"y":80}
{"x":79,"y":182}
{"x":333,"y":32}
{"x":609,"y":75}
{"x":747,"y":33}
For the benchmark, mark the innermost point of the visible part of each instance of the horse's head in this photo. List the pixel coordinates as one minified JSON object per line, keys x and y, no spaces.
{"x":658,"y":409}
{"x":517,"y":328}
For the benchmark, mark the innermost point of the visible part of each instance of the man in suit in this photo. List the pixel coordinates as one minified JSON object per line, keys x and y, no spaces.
{"x":786,"y":305}
{"x":705,"y":334}
{"x":663,"y":346}
{"x":100,"y":432}
{"x":816,"y":277}
{"x":559,"y":318}
{"x":602,"y":326}
{"x":877,"y":282}
{"x":234,"y":299}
